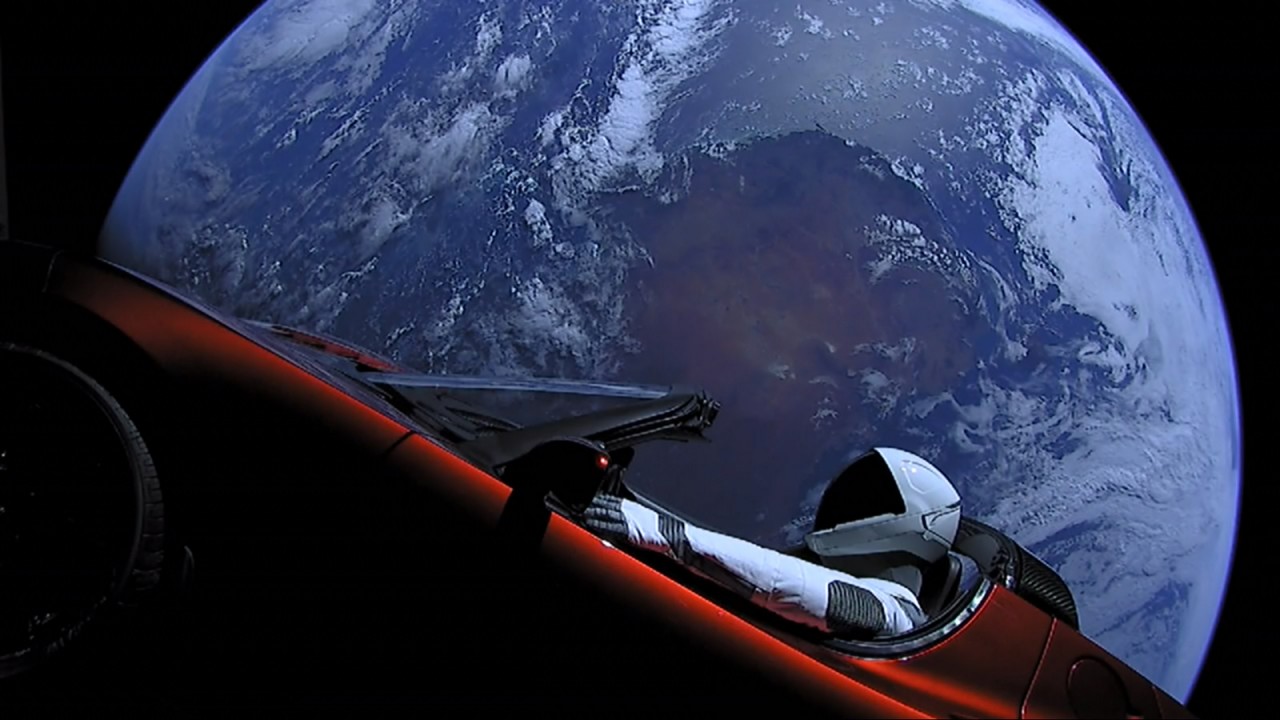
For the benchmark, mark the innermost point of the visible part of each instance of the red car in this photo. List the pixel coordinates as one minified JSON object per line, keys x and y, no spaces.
{"x":199,"y":509}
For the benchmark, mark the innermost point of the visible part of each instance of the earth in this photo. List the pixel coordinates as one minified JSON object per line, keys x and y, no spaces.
{"x":935,"y":225}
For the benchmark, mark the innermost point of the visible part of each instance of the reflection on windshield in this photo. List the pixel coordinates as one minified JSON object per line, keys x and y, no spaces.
{"x":522,"y":407}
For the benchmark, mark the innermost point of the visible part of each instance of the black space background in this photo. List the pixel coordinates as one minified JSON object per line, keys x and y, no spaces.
{"x":83,"y":84}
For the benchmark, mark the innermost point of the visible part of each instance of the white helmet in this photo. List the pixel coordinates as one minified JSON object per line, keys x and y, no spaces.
{"x":888,"y":509}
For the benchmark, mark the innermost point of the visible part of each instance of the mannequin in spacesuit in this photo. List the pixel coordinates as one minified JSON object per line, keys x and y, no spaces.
{"x":887,"y":517}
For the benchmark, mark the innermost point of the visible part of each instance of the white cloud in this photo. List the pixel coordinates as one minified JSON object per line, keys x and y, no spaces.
{"x":427,"y":150}
{"x":813,"y":24}
{"x":879,"y":390}
{"x":304,"y":32}
{"x":1031,"y":20}
{"x":549,"y":127}
{"x":333,"y":50}
{"x":363,"y":63}
{"x":670,"y":46}
{"x":512,"y":75}
{"x":535,"y":216}
{"x":384,"y":219}
{"x":488,"y":36}
{"x":547,"y":316}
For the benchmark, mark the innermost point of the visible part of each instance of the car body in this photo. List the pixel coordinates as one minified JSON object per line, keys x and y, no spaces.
{"x":314,"y":541}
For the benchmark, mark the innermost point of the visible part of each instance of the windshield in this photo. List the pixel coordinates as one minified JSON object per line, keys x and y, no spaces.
{"x":492,"y":421}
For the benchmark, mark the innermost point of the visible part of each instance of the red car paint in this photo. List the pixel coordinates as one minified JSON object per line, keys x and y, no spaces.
{"x":679,"y":645}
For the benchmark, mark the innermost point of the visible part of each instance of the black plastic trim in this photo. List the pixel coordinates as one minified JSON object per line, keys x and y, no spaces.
{"x":681,"y":416}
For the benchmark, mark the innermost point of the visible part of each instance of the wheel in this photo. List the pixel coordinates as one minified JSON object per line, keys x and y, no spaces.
{"x":81,"y":515}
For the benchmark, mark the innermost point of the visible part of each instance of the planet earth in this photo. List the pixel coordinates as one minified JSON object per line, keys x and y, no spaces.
{"x":930,"y":224}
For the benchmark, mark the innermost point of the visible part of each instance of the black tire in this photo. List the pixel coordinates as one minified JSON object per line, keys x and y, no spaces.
{"x":81,"y":513}
{"x":1008,"y":563}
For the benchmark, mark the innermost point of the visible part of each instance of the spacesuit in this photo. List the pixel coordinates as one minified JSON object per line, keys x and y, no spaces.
{"x":921,"y":514}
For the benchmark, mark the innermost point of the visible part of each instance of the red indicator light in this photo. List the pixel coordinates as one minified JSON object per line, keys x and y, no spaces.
{"x":602,"y":462}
